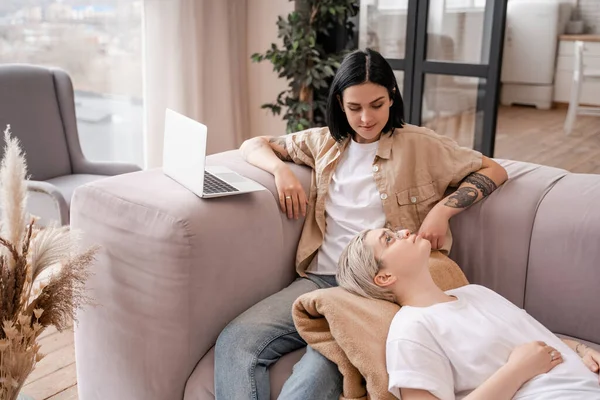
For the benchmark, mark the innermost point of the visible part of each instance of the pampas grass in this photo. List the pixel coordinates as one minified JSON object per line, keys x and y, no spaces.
{"x":28,"y":306}
{"x":13,"y":193}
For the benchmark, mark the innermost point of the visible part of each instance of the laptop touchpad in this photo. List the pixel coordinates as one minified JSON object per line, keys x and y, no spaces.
{"x":231,"y":177}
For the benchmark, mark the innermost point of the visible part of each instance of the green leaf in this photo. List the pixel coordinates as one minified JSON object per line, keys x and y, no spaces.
{"x":302,"y":60}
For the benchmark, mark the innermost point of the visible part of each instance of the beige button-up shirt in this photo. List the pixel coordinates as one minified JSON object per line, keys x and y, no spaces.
{"x":413,"y":168}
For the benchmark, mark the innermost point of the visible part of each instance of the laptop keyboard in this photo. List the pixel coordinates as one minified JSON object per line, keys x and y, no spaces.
{"x":213,"y":185}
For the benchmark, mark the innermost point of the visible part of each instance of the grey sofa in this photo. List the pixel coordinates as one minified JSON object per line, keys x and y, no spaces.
{"x":39,"y":105}
{"x":175,"y":269}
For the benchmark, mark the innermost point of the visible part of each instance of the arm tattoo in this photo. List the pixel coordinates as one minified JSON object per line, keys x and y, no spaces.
{"x":481,"y":182}
{"x":280,"y":142}
{"x":462,"y":198}
{"x":282,"y":157}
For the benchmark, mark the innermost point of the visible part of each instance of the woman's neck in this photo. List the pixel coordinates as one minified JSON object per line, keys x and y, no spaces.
{"x":359,"y":139}
{"x":422,"y":292}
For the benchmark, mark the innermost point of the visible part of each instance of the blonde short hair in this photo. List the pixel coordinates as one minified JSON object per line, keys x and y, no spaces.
{"x":357,"y":269}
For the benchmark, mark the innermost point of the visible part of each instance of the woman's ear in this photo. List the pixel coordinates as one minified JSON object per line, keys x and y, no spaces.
{"x":383,"y":279}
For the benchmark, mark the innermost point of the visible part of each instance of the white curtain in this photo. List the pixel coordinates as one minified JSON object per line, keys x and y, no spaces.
{"x":195,"y":62}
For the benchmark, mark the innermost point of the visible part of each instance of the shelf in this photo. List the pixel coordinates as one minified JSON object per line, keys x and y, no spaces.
{"x":583,"y":38}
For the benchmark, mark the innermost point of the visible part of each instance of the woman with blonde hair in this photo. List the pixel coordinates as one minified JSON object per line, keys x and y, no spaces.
{"x":467,"y":343}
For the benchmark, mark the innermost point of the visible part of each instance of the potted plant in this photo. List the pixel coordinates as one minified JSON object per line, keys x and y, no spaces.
{"x":28,"y":304}
{"x":308,"y":58}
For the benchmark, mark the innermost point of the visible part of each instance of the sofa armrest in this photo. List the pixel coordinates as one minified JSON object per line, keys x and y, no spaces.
{"x":173,"y":270}
{"x":45,"y":200}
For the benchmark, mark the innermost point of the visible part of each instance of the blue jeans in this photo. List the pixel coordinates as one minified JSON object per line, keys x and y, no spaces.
{"x":256,"y":339}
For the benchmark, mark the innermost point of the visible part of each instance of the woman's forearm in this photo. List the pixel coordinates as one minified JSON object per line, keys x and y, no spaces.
{"x":502,"y":385}
{"x":267,"y":154}
{"x":577,"y":347}
{"x":473,"y":188}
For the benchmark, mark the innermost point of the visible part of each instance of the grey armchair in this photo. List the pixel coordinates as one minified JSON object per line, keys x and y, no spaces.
{"x":39,"y":105}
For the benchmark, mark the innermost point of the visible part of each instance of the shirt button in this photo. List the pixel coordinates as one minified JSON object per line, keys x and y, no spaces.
{"x":383,"y":196}
{"x":375,"y":168}
{"x":413,"y":199}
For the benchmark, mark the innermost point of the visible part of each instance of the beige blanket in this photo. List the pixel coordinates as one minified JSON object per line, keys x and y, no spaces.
{"x":351,"y":330}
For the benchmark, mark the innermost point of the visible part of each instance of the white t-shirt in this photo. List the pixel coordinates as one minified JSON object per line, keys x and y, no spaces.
{"x":353,"y":205}
{"x":450,"y":349}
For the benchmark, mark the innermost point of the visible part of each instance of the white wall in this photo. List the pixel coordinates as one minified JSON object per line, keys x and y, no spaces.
{"x":264,"y":84}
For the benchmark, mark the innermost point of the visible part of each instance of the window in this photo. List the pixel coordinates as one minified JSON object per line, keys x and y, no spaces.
{"x":99,"y":43}
{"x":465,"y":4}
{"x":391,"y":5}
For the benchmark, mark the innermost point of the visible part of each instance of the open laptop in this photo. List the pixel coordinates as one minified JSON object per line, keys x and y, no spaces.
{"x":184,"y":157}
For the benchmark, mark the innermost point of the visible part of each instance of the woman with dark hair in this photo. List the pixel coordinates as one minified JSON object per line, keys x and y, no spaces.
{"x":370,"y":171}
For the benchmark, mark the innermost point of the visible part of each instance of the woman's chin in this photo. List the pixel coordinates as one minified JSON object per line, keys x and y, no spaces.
{"x":367,"y":135}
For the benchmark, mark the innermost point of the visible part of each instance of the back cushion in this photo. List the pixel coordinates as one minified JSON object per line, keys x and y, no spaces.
{"x":491,"y":238}
{"x":29,"y":104}
{"x":563,"y":279}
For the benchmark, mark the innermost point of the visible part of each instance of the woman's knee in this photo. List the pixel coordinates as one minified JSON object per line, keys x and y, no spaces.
{"x":234,"y":337}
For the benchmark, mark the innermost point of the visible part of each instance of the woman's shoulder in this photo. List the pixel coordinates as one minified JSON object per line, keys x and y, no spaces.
{"x":479,"y":294}
{"x":318,"y":137}
{"x":316,"y":132}
{"x":423,"y":142}
{"x":472,"y":289}
{"x":418,"y":133}
{"x":408,"y":322}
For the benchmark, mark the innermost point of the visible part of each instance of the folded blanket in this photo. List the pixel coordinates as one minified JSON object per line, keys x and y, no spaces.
{"x":351,"y":330}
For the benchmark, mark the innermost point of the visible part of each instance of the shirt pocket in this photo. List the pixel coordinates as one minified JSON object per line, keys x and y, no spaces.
{"x":415,"y":203}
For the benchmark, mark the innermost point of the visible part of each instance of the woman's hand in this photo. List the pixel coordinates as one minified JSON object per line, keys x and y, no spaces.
{"x":434,"y":228}
{"x":292,"y":198}
{"x":591,"y":358}
{"x":532,"y":359}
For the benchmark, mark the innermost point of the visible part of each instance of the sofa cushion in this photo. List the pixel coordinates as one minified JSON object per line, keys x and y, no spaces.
{"x":564,"y":268}
{"x":491,"y":238}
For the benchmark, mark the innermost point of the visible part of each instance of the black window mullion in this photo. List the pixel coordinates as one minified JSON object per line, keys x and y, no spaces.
{"x":495,"y":19}
{"x":409,"y":56}
{"x":397,"y":63}
{"x":455,"y":69}
{"x":420,"y":54}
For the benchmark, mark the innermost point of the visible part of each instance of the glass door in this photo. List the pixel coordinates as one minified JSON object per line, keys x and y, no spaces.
{"x":447,"y":54}
{"x":389,"y":27}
